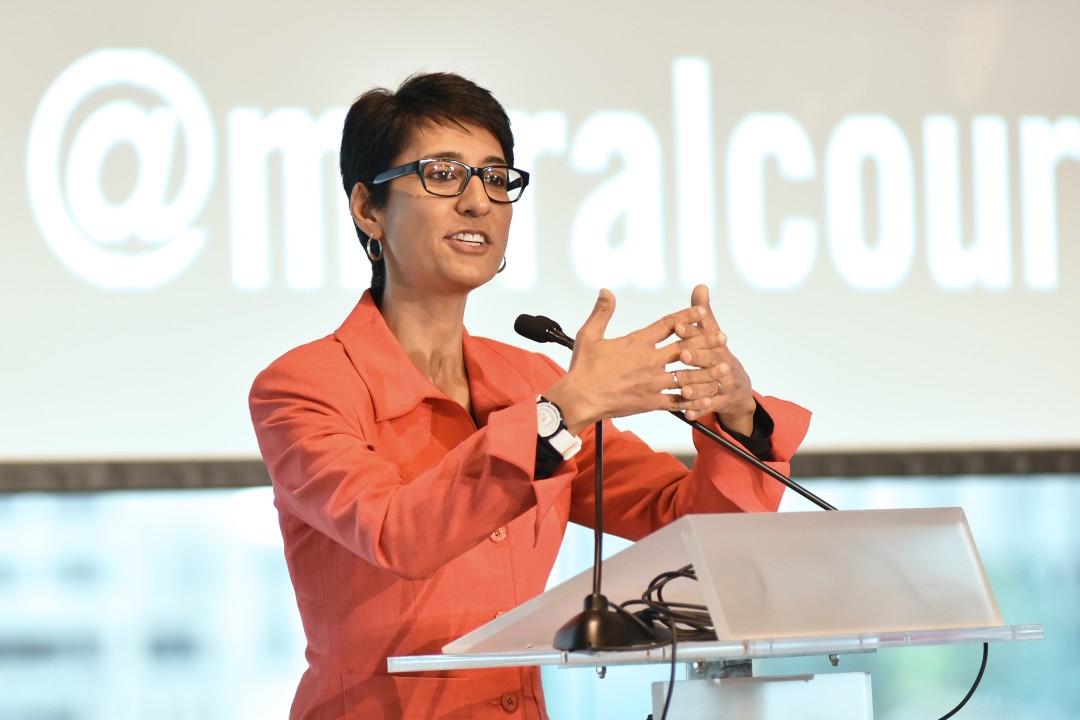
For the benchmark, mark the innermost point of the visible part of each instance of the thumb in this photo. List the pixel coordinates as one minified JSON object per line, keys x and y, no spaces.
{"x":596,"y":324}
{"x":700,"y":296}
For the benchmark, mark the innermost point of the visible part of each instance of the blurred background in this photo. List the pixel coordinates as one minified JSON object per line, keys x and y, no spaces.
{"x":879,"y":195}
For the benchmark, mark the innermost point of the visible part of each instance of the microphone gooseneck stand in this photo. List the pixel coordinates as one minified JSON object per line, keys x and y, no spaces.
{"x":744,"y":455}
{"x":599,"y":627}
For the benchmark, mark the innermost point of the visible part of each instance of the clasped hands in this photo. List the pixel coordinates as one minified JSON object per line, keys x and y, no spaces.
{"x":617,"y":377}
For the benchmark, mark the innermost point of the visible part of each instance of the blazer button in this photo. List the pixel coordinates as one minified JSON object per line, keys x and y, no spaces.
{"x":509,"y":702}
{"x":499,"y":535}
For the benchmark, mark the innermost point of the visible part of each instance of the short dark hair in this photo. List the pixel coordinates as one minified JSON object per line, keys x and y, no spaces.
{"x":381,"y":123}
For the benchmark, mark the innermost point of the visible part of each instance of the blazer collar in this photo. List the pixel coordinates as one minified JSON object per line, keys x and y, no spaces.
{"x":397,"y":387}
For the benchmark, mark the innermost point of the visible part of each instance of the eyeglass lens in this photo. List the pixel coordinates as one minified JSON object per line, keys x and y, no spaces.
{"x":449,"y":177}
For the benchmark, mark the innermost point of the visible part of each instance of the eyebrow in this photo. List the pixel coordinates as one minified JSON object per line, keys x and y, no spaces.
{"x":453,"y":155}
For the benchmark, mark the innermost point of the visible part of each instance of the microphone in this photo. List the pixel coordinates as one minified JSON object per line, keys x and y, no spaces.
{"x":542,"y":329}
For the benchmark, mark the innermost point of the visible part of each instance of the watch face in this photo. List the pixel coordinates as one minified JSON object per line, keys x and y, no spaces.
{"x":548,"y":419}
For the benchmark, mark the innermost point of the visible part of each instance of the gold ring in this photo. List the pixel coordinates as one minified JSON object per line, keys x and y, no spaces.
{"x":675,"y":379}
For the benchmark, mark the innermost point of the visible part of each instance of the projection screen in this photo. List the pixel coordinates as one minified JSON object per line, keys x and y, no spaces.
{"x":882,"y":197}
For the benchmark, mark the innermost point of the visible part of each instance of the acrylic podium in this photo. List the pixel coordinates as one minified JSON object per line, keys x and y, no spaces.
{"x":775,"y":585}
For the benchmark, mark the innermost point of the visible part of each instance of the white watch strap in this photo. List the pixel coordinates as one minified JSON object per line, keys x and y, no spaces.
{"x":565,"y":444}
{"x":561,"y":440}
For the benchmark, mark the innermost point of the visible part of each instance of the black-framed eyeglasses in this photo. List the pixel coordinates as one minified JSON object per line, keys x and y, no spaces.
{"x":449,"y":178}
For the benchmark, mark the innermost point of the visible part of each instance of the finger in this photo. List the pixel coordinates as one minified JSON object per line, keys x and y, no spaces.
{"x":596,"y":324}
{"x":697,"y":413}
{"x":686,"y":331}
{"x":702,"y":376}
{"x":706,"y":383}
{"x":701,"y":350}
{"x":664,"y":328}
{"x":670,"y":381}
{"x":700,"y":298}
{"x":698,"y":346}
{"x":692,"y":408}
{"x":703,"y":356}
{"x":711,"y":397}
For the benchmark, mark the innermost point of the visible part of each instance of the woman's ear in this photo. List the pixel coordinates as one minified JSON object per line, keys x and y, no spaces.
{"x":364,"y":214}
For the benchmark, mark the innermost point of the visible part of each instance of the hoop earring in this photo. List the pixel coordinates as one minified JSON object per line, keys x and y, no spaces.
{"x":375,"y":256}
{"x":502,"y":266}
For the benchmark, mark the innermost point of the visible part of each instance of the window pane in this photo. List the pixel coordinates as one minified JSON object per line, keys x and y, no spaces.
{"x":145,"y":605}
{"x":125,"y":606}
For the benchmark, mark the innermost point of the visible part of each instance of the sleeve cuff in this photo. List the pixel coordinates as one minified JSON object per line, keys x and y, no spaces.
{"x":548,"y":460}
{"x":759,"y":441}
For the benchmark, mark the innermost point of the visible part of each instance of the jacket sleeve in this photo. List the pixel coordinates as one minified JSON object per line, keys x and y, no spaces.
{"x":316,"y":432}
{"x":645,"y":490}
{"x":331,"y":472}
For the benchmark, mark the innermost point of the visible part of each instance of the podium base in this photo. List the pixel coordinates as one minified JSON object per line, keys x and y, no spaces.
{"x":602,"y":627}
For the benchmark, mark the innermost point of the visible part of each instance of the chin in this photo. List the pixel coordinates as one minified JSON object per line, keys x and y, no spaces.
{"x":481,"y":281}
{"x":477,"y":274}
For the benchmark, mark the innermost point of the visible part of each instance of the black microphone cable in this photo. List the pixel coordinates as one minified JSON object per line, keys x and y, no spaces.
{"x":697,"y":627}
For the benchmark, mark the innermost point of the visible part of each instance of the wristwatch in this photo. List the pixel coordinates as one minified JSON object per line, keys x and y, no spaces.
{"x":552,"y":429}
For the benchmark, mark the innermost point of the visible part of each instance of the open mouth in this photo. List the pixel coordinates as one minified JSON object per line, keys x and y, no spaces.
{"x":474,"y":239}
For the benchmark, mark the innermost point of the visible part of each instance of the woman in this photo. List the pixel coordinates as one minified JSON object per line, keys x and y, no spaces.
{"x":422,"y":476}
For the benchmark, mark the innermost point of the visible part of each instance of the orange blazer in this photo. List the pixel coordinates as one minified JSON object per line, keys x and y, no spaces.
{"x":407,"y":524}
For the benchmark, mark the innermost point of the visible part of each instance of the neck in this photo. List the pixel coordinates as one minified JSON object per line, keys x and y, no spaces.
{"x":430,"y":330}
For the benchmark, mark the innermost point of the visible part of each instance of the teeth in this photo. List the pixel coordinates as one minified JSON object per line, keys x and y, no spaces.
{"x":471,"y":238}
